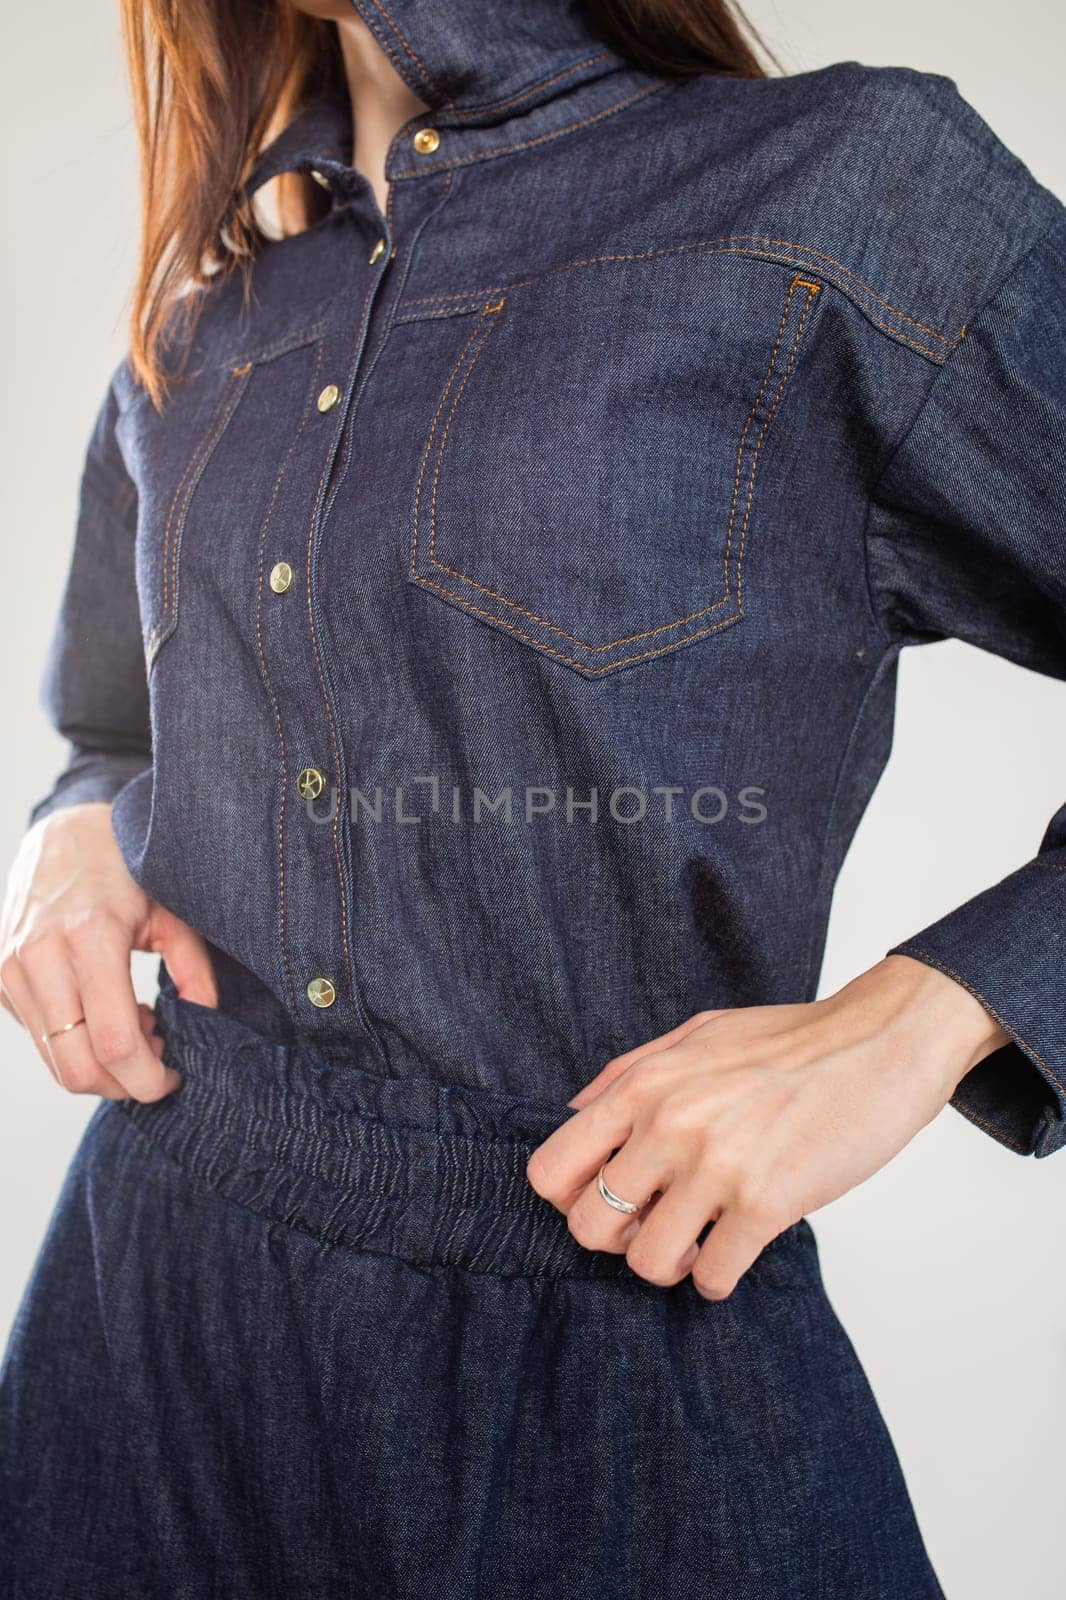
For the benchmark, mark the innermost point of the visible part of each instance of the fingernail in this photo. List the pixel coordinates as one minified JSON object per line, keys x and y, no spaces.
{"x":630,"y":1232}
{"x":690,"y":1255}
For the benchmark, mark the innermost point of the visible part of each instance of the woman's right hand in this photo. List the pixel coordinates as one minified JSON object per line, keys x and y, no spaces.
{"x":72,"y":915}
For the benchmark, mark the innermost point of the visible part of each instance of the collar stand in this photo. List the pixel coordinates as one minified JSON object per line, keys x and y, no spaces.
{"x":473,"y":61}
{"x":494,"y":79}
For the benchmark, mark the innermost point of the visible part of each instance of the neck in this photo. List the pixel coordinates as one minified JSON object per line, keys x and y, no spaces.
{"x":381,"y":101}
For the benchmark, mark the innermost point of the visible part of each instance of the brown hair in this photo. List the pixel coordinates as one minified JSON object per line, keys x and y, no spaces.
{"x":681,"y":38}
{"x":212,"y":81}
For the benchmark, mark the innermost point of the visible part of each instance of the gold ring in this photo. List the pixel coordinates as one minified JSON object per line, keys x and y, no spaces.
{"x":64,"y":1029}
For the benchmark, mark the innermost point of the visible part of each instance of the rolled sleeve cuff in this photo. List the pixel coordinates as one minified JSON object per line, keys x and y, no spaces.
{"x":89,"y":776}
{"x":1007,"y":947}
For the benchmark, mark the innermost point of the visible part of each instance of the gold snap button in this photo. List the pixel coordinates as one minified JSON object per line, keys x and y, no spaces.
{"x":320,"y":178}
{"x":281,"y":577}
{"x":377,"y":252}
{"x":426,"y":140}
{"x":310,"y":783}
{"x":321,"y":992}
{"x":329,"y":397}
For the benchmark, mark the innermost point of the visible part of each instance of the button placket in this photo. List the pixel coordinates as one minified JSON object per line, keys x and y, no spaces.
{"x":313,"y":894}
{"x":316,"y":866}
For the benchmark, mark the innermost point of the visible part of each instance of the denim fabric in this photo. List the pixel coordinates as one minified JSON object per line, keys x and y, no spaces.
{"x":666,"y":415}
{"x":321,"y":1340}
{"x":671,"y":412}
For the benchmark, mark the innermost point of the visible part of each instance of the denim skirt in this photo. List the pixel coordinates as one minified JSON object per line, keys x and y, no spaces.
{"x":305,"y":1332}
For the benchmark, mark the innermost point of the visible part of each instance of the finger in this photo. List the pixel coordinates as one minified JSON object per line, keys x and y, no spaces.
{"x":570,"y":1157}
{"x":11,"y":981}
{"x":665,"y":1245}
{"x":80,"y":1071}
{"x":102,"y":968}
{"x":36,"y":1028}
{"x":149,"y":1023}
{"x":186,"y":956}
{"x":735,"y":1242}
{"x":54,"y":993}
{"x":602,"y":1080}
{"x":632,"y":1174}
{"x":620,"y":1064}
{"x":19,"y":1002}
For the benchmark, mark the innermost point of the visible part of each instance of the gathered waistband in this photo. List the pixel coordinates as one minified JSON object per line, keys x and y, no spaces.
{"x":422,"y":1168}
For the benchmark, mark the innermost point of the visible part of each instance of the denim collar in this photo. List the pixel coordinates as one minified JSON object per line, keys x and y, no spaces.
{"x":472,"y":60}
{"x":495,"y":79}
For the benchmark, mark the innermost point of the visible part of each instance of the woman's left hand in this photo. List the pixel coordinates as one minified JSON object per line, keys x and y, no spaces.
{"x":751,"y":1118}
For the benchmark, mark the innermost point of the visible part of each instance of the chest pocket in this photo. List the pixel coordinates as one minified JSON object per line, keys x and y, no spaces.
{"x":593,"y":468}
{"x":204,"y":468}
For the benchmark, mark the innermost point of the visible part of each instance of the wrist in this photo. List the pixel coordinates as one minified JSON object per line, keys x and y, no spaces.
{"x":933,"y":1018}
{"x":941,"y":1008}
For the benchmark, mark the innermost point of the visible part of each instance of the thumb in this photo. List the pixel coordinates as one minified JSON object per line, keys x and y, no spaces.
{"x":186,"y":956}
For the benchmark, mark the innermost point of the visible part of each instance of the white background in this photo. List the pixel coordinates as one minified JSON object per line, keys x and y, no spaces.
{"x":948,"y":1268}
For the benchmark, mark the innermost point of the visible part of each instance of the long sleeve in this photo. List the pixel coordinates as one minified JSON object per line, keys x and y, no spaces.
{"x":94,"y":686}
{"x":967,"y":539}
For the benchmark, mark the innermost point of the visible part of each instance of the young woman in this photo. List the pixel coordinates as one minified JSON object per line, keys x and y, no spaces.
{"x":478,"y":651}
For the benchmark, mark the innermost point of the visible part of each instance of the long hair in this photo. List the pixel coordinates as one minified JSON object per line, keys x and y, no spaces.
{"x":212,"y":81}
{"x":681,"y":38}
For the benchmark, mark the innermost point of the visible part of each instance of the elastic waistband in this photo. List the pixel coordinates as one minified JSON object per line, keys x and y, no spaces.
{"x":421,"y":1168}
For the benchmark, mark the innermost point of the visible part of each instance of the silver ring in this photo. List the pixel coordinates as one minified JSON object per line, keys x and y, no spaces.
{"x":64,"y":1029}
{"x":615,"y":1200}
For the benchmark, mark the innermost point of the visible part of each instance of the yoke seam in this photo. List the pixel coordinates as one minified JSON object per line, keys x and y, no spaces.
{"x":755,"y":246}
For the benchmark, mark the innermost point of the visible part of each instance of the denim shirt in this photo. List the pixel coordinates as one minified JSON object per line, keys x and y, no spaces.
{"x":491,"y":647}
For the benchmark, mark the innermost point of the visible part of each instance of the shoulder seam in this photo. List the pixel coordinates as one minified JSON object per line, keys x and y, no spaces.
{"x":1045,"y":238}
